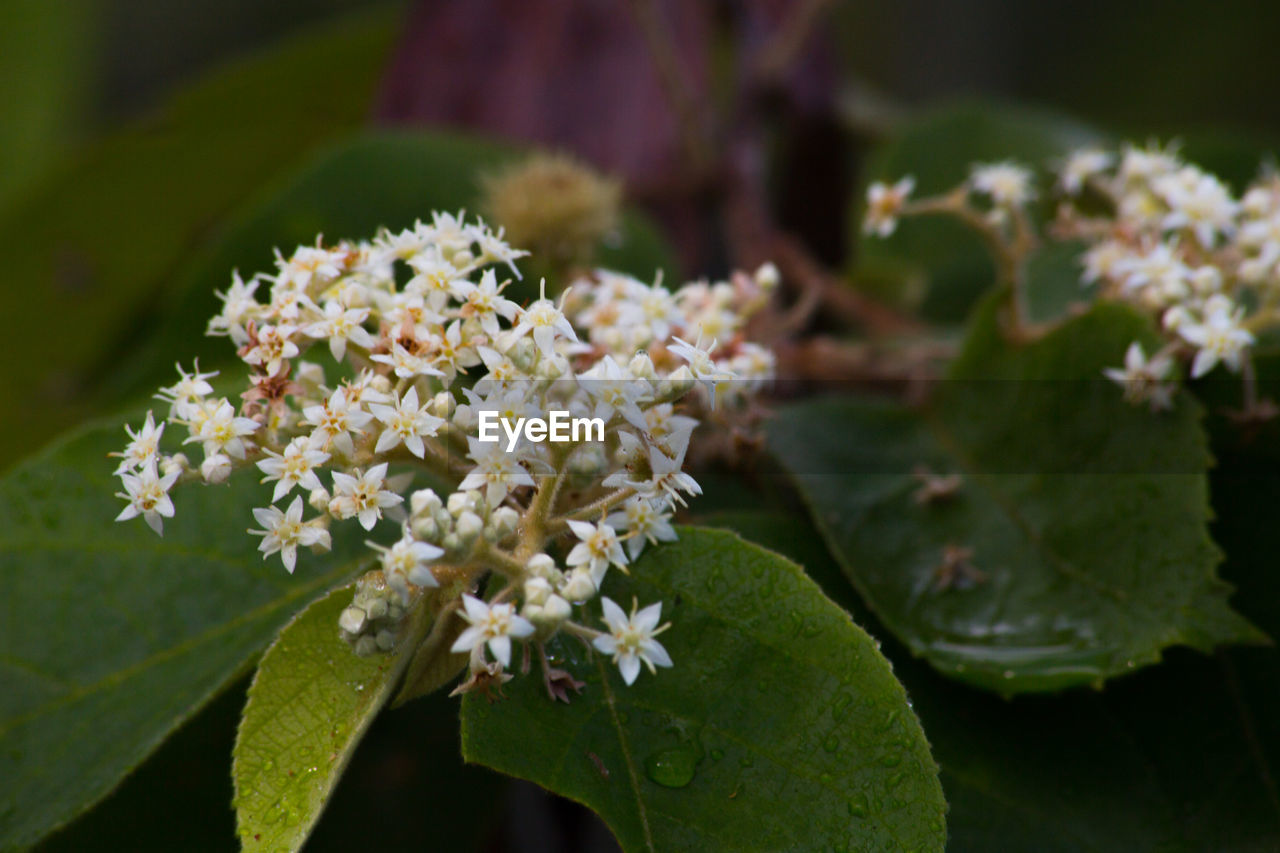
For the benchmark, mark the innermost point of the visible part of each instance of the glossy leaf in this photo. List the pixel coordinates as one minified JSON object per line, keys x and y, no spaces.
{"x":779,"y":728}
{"x":1114,"y":770}
{"x":95,"y":245}
{"x":309,"y":705}
{"x":1077,"y":536}
{"x":113,"y":636}
{"x":387,"y":179}
{"x":943,"y":264}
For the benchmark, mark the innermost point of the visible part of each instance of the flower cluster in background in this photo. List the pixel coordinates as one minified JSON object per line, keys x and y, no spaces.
{"x":1160,"y":233}
{"x":372,"y":363}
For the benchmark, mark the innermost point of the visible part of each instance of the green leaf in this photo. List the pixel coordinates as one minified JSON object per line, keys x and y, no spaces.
{"x":309,"y":705}
{"x":386,"y":179}
{"x":94,"y":244}
{"x":946,"y":261}
{"x":1108,"y":771}
{"x":112,"y":636}
{"x":1086,"y":517}
{"x":779,"y":728}
{"x":42,"y":70}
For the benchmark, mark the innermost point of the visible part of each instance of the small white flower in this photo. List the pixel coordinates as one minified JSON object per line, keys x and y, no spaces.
{"x":485,"y":301}
{"x":406,"y":562}
{"x":545,"y":320}
{"x":1144,"y":381}
{"x":492,"y":624}
{"x":148,"y":495}
{"x":645,"y":522}
{"x":1081,"y":166}
{"x":273,"y":347}
{"x":884,"y":206}
{"x":630,"y":640}
{"x":496,"y":471}
{"x":1006,"y":183}
{"x":362,"y":495}
{"x":188,"y":391}
{"x":334,"y":422}
{"x":597,"y":549}
{"x":285,"y":531}
{"x":341,"y":325}
{"x":407,"y":365}
{"x":296,"y":466}
{"x":1198,"y":202}
{"x":703,"y":367}
{"x":143,"y":446}
{"x":407,"y":422}
{"x":222,"y":432}
{"x":1220,"y":337}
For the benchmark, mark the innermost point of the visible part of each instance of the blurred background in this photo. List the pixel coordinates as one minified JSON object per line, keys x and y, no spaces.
{"x":147,"y":147}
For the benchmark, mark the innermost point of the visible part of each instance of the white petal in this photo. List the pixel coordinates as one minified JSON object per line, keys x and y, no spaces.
{"x":629,"y":666}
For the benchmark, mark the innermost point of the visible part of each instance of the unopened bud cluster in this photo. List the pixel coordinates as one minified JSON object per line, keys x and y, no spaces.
{"x":1161,"y":233}
{"x":358,"y":383}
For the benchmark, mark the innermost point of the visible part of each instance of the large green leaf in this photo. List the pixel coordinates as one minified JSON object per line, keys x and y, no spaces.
{"x":309,"y":705}
{"x":387,"y":179}
{"x":112,"y":636}
{"x":1115,"y":770}
{"x":1086,"y":517}
{"x":90,"y":249}
{"x":42,"y":65}
{"x":946,"y":261}
{"x":779,"y":728}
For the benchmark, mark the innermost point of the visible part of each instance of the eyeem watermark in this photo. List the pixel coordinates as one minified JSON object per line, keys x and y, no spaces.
{"x":557,"y":426}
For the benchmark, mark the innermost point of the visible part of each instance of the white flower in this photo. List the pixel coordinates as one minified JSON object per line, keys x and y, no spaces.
{"x":1143,"y":380}
{"x":598,"y":549}
{"x":1219,"y":337}
{"x":701,"y":365}
{"x":188,"y":391}
{"x":407,"y":422}
{"x":614,"y":389}
{"x":1158,"y":273}
{"x":630,"y":640}
{"x":223,"y":432}
{"x":484,"y":301}
{"x":285,"y":531}
{"x":143,"y":446}
{"x":492,"y":624}
{"x":496,"y":471}
{"x":362,"y":495}
{"x":239,"y":306}
{"x":1007,"y":183}
{"x":645,"y":522}
{"x":1081,"y":166}
{"x":406,"y":365}
{"x":1198,"y":202}
{"x":334,"y":422}
{"x":406,"y":562}
{"x":544,"y":319}
{"x":341,"y":325}
{"x":272,"y":348}
{"x":148,"y":496}
{"x":296,"y":466}
{"x":884,"y":206}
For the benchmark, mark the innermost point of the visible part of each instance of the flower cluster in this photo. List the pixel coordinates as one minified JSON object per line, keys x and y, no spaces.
{"x":1160,"y":233}
{"x":417,"y":351}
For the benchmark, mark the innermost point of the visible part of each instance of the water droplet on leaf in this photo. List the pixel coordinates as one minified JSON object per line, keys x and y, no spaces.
{"x":672,"y":768}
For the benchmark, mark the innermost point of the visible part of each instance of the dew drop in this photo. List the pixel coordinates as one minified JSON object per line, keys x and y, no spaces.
{"x":858,"y":807}
{"x":826,"y":778}
{"x":831,"y":744}
{"x":672,"y":768}
{"x":717,"y":754}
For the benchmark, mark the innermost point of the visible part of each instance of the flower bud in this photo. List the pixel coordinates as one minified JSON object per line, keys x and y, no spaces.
{"x":503,"y":521}
{"x":352,"y":620}
{"x":424,"y":501}
{"x":177,"y":462}
{"x":366,"y":646}
{"x":641,"y":366}
{"x":216,"y":468}
{"x":385,"y":639}
{"x":319,"y":500}
{"x":469,"y":526}
{"x":537,"y":590}
{"x":425,"y":529}
{"x":767,"y":276}
{"x":578,"y":586}
{"x":555,"y":610}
